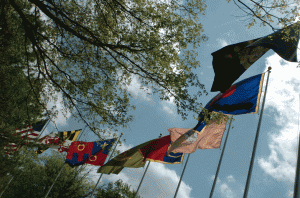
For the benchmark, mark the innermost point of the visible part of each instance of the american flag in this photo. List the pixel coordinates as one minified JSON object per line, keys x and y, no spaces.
{"x":31,"y":133}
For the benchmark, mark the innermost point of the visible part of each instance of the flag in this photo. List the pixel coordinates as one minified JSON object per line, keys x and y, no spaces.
{"x":241,"y":98}
{"x":230,"y":62}
{"x":94,"y":153}
{"x":153,"y":150}
{"x":189,"y":140}
{"x":58,"y":140}
{"x":31,"y":133}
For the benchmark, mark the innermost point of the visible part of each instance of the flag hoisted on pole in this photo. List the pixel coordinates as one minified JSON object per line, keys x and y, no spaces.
{"x":216,"y":176}
{"x":297,"y":175}
{"x":181,"y":176}
{"x":107,"y":160}
{"x":136,"y":193}
{"x":57,"y":175}
{"x":256,"y":140}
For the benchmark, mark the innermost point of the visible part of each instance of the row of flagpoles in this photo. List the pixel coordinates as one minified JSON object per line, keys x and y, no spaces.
{"x":218,"y":168}
{"x":171,"y":149}
{"x":77,"y":136}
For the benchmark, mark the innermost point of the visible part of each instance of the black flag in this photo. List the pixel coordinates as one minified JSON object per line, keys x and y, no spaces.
{"x":232,"y":61}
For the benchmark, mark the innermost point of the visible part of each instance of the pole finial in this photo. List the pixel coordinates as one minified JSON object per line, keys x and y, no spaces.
{"x":269,"y":68}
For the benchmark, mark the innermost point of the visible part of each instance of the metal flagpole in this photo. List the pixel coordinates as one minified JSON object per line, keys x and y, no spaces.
{"x":7,"y":186}
{"x":297,"y":184}
{"x":107,"y":160}
{"x":256,"y":139}
{"x":136,"y":193}
{"x":13,"y":176}
{"x":54,"y":181}
{"x":216,"y":176}
{"x":181,"y":176}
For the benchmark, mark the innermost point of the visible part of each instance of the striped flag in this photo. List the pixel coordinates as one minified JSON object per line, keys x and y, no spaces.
{"x":31,"y":133}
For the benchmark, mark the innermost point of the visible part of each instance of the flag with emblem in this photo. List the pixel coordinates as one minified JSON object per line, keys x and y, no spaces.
{"x":30,"y":134}
{"x":189,"y":140}
{"x":94,"y":153}
{"x":153,"y":150}
{"x":58,"y":140}
{"x":230,"y":62}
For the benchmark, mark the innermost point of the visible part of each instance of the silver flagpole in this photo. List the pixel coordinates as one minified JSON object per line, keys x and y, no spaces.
{"x":181,"y":176}
{"x":136,"y":193}
{"x":297,"y":184}
{"x":107,"y":160}
{"x":217,"y":173}
{"x":256,"y":140}
{"x":13,"y":176}
{"x":54,"y":181}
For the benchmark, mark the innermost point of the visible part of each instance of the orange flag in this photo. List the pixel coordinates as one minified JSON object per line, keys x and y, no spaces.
{"x":188,"y":140}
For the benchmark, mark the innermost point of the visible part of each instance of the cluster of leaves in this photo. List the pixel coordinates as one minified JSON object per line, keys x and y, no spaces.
{"x":19,"y":94}
{"x":91,"y":50}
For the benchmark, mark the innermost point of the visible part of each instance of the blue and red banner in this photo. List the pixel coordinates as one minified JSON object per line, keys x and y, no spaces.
{"x":241,"y":98}
{"x":94,"y":153}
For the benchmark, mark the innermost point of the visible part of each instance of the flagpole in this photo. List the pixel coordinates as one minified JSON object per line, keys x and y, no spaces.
{"x":296,"y":184}
{"x":13,"y":176}
{"x":256,"y":139}
{"x":136,"y":193}
{"x":54,"y":181}
{"x":217,"y":173}
{"x":181,"y":176}
{"x":107,"y":160}
{"x":6,"y":186}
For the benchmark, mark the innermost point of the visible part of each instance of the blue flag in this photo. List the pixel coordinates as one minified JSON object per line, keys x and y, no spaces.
{"x":241,"y":98}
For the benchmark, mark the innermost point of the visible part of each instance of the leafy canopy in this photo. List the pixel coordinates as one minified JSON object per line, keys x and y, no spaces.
{"x":93,"y":49}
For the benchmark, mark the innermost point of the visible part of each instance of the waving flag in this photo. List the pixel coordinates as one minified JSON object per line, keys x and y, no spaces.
{"x":230,"y":62}
{"x":94,"y":153}
{"x":189,"y":140}
{"x":241,"y":98}
{"x":153,"y":150}
{"x":31,"y":133}
{"x":59,"y":140}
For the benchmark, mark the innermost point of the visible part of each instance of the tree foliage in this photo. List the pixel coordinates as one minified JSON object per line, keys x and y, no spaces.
{"x":117,"y":189}
{"x":37,"y":173}
{"x":93,"y":49}
{"x":19,"y":94}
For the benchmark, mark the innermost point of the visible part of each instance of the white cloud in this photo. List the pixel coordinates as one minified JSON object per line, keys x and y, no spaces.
{"x":283,"y":95}
{"x":135,"y":89}
{"x":226,"y":191}
{"x":224,"y":188}
{"x":230,"y":178}
{"x":222,"y":42}
{"x":55,"y":104}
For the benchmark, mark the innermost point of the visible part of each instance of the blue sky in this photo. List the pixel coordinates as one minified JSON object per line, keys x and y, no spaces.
{"x":274,"y":167}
